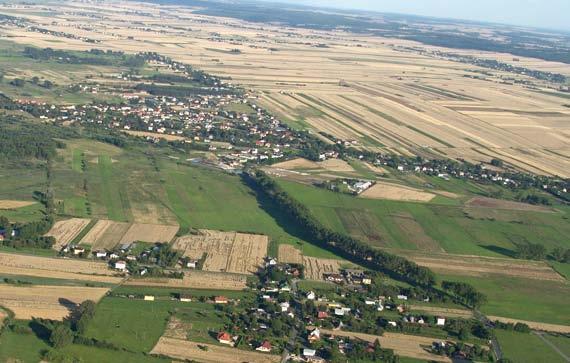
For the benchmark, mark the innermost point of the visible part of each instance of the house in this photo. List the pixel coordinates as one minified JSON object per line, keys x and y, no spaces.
{"x":121,"y":265}
{"x":402,"y":297}
{"x":224,"y":338}
{"x":311,"y":295}
{"x":148,"y":298}
{"x":101,"y":254}
{"x":220,"y":300}
{"x":264,"y":347}
{"x":284,"y":306}
{"x":309,"y":352}
{"x":339,"y":312}
{"x":440,"y":321}
{"x":322,"y":315}
{"x":191,"y":264}
{"x":314,"y":335}
{"x":78,"y":250}
{"x":392,"y":323}
{"x":185,"y":298}
{"x":366,"y":281}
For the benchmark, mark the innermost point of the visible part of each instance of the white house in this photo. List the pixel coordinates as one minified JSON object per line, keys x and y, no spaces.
{"x":121,"y":265}
{"x":309,"y":352}
{"x":101,"y":254}
{"x":148,"y":298}
{"x":311,"y":295}
{"x":440,"y":321}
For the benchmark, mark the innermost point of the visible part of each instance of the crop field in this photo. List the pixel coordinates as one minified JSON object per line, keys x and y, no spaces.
{"x":186,"y":350}
{"x":505,"y":204}
{"x":396,"y":192}
{"x":196,"y":280}
{"x":442,"y":224}
{"x":402,"y":344}
{"x":483,"y":266}
{"x":290,"y":254}
{"x":527,"y":348}
{"x":14,"y":204}
{"x":314,"y":267}
{"x":49,"y":302}
{"x":149,"y":233}
{"x":65,"y":231}
{"x":57,"y":268}
{"x":105,"y":234}
{"x":225,"y":251}
{"x":447,"y":312}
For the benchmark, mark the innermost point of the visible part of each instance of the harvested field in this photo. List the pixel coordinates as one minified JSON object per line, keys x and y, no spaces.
{"x":49,"y":302}
{"x":186,"y":350}
{"x":565,"y":329}
{"x":14,"y":204}
{"x":298,"y":163}
{"x":483,"y":202}
{"x":57,"y":268}
{"x":105,"y":234}
{"x":316,"y":267}
{"x":405,"y":345}
{"x":176,"y":329}
{"x":336,"y":165}
{"x":289,"y":254}
{"x":481,"y":266}
{"x":450,"y":313}
{"x":66,"y":231}
{"x":225,"y":251}
{"x":390,"y":191}
{"x":197,"y":280}
{"x":149,"y":233}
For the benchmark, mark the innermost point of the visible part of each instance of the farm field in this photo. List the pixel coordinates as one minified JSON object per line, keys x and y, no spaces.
{"x":14,"y":204}
{"x":66,"y":231}
{"x":527,"y":348}
{"x":57,"y":268}
{"x":402,"y":344}
{"x":314,"y":267}
{"x":48,"y":302}
{"x":436,"y":226}
{"x":225,"y":251}
{"x":196,"y":280}
{"x":186,"y":350}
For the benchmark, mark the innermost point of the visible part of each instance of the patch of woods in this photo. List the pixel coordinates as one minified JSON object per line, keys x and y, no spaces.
{"x":91,"y":57}
{"x":536,"y":251}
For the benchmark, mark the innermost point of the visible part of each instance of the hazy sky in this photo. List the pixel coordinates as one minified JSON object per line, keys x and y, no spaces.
{"x":553,"y":14}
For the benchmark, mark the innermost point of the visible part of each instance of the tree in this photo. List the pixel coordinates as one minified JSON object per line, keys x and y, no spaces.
{"x":497,"y":162}
{"x":61,"y":336}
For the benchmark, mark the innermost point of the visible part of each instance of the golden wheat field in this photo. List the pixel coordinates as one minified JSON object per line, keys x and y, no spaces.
{"x":370,"y":91}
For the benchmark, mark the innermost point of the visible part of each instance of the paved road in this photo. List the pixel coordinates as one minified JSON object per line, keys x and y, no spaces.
{"x":549,"y":343}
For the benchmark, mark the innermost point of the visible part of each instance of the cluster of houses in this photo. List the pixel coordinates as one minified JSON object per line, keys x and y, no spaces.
{"x":350,"y":277}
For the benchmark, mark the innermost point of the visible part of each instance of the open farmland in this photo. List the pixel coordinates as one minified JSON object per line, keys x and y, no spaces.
{"x":149,"y":233}
{"x":314,"y":267}
{"x":556,"y":328}
{"x":402,"y":344}
{"x":483,"y":202}
{"x":290,"y":254}
{"x":57,"y":268}
{"x":447,"y":312}
{"x":65,"y":231}
{"x":186,"y":350}
{"x":48,"y":302}
{"x":390,"y":191}
{"x":225,"y":251}
{"x":14,"y":204}
{"x":105,"y":234}
{"x":196,"y":280}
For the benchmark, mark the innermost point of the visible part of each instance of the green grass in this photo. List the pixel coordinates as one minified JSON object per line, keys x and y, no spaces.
{"x":561,"y":342}
{"x":526,"y":299}
{"x":132,"y":324}
{"x":26,"y":348}
{"x":169,"y":292}
{"x":51,"y":281}
{"x":493,"y":233}
{"x":25,"y":214}
{"x":526,"y":348}
{"x":562,"y":268}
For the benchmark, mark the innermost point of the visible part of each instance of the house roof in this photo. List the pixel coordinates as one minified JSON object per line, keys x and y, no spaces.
{"x":266,"y":344}
{"x":224,"y":336}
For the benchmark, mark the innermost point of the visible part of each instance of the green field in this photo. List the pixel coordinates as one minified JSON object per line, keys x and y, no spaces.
{"x":25,"y":214}
{"x":385,"y":223}
{"x":526,"y":348}
{"x":526,"y":299}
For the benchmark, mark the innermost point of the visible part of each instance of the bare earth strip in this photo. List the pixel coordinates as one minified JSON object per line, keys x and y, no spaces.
{"x":402,"y":344}
{"x":225,"y":251}
{"x":57,"y":268}
{"x":186,"y":350}
{"x":298,"y":163}
{"x":65,"y":231}
{"x":484,"y":202}
{"x":447,"y":312}
{"x":289,"y":254}
{"x":49,"y":302}
{"x":396,"y":192}
{"x":534,"y":325}
{"x":197,"y":280}
{"x":149,"y":233}
{"x":156,"y":135}
{"x":14,"y":204}
{"x":105,"y":234}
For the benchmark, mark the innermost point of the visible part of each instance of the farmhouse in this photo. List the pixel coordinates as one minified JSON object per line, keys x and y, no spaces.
{"x":185,"y":298}
{"x":220,"y":300}
{"x":264,"y":347}
{"x":120,"y":265}
{"x":148,"y":298}
{"x":440,"y":321}
{"x":225,"y":338}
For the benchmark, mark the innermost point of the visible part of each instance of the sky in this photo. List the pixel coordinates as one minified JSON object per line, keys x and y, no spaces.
{"x":553,"y":14}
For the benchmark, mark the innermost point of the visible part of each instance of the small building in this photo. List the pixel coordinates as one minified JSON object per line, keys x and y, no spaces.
{"x":149,"y":298}
{"x":311,"y":295}
{"x":221,"y":300}
{"x":78,"y":250}
{"x":314,"y":335}
{"x":101,"y":254}
{"x":121,"y":265}
{"x":440,"y":321}
{"x":224,"y":338}
{"x":309,"y":352}
{"x":264,"y":347}
{"x":185,"y":298}
{"x":191,"y":264}
{"x":322,"y":315}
